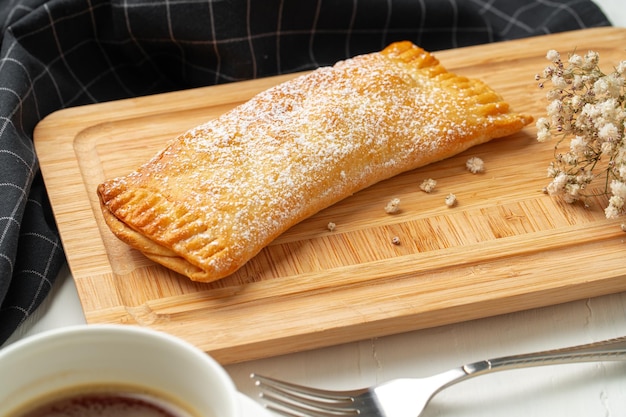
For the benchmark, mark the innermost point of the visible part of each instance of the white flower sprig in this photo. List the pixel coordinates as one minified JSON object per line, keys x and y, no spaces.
{"x":587,"y":107}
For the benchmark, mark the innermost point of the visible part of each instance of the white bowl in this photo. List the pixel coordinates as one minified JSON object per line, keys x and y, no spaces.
{"x":102,"y":355}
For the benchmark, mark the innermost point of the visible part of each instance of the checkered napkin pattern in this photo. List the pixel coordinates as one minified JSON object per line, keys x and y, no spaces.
{"x":60,"y":53}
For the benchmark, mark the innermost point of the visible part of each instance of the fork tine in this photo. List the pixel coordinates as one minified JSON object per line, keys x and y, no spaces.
{"x":305,"y":400}
{"x":326,"y":395}
{"x":293,"y":409}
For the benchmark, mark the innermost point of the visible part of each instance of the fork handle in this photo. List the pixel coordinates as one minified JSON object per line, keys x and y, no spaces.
{"x":607,"y":350}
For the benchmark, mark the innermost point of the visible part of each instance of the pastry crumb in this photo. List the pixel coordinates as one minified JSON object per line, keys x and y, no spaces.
{"x":428,"y":185}
{"x":475,"y":165}
{"x":331,"y":226}
{"x":395,"y":240}
{"x":393,"y":206}
{"x":450,"y":200}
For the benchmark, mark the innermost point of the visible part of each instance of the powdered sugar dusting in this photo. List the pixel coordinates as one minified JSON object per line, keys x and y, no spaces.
{"x":305,"y":144}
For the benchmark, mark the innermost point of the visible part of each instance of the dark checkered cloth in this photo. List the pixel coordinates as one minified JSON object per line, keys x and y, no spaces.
{"x":62,"y":53}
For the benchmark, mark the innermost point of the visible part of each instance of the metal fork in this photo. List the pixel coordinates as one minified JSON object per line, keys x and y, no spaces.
{"x":407,"y":397}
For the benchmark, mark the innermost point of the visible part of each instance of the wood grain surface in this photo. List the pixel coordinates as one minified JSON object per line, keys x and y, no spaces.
{"x":506,"y":246}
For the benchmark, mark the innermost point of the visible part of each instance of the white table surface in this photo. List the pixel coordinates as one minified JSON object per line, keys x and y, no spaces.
{"x":594,"y":389}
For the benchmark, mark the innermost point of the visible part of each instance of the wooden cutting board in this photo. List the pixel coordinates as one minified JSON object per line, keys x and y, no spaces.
{"x":505,"y":247}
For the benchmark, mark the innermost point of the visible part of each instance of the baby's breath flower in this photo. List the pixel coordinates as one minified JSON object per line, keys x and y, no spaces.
{"x":428,"y":185}
{"x":557,"y":186}
{"x":578,"y":144}
{"x":608,"y":132}
{"x":616,"y":203}
{"x":475,"y":165}
{"x":607,"y":148}
{"x":393,"y":206}
{"x":618,"y":188}
{"x":572,"y":192}
{"x":591,"y":60}
{"x":553,"y":56}
{"x":609,"y":85}
{"x":576,"y":103}
{"x":588,"y":108}
{"x":576,"y":60}
{"x":559,"y":82}
{"x":611,"y":212}
{"x":547,"y":72}
{"x":577,"y":84}
{"x":450,"y":200}
{"x":543,"y":129}
{"x":552,"y":95}
{"x":554,"y":109}
{"x":552,"y":171}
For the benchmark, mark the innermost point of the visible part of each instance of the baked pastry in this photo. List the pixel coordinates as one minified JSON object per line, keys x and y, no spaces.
{"x":219,"y":193}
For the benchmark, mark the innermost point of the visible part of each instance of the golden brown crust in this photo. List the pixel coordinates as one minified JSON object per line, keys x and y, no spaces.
{"x":219,"y":193}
